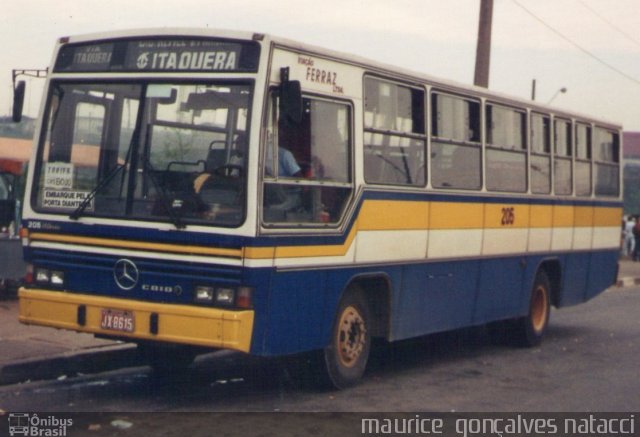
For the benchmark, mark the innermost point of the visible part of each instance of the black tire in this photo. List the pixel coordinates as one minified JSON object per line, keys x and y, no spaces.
{"x":167,"y":360}
{"x":499,"y":332}
{"x":529,"y":330}
{"x":345,"y":358}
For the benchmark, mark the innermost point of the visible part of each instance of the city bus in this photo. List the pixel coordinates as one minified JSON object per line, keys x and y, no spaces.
{"x":195,"y":190}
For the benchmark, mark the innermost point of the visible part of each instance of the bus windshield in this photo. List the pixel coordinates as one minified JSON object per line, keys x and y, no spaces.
{"x":168,"y":152}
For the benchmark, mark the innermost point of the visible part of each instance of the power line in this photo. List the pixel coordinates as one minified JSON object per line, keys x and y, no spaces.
{"x":576,"y":45}
{"x":610,"y":23}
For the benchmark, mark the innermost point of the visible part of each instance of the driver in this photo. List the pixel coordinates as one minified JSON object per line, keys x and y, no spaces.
{"x":280,"y":196}
{"x":287,"y":164}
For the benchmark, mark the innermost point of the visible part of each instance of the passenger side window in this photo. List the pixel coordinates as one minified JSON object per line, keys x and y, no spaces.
{"x":394,"y":137}
{"x":506,"y":153}
{"x":307,"y":172}
{"x":607,"y":160}
{"x":540,"y":154}
{"x":456,"y":151}
{"x":563,"y":152}
{"x":583,"y":159}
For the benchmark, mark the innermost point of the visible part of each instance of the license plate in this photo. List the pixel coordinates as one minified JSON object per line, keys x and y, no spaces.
{"x":117,"y":320}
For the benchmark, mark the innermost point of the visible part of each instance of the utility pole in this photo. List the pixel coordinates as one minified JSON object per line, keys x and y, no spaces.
{"x":533,"y":89}
{"x":483,"y":50}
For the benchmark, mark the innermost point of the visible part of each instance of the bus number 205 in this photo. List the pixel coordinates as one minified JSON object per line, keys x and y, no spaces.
{"x":508,"y":216}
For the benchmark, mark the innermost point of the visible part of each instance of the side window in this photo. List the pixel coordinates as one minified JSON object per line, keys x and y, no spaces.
{"x":307,"y":173}
{"x":394,"y":137}
{"x":456,"y":150}
{"x":506,"y":153}
{"x":87,"y":137}
{"x":606,"y":155}
{"x":80,"y":143}
{"x":563,"y":152}
{"x":78,"y":150}
{"x":583,"y":159}
{"x":540,"y":154}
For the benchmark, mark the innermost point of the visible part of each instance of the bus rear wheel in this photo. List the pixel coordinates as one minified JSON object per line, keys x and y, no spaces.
{"x":345,"y":358}
{"x":530,"y":329}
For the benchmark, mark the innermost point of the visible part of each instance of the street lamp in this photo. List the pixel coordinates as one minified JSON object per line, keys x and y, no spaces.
{"x":561,"y":90}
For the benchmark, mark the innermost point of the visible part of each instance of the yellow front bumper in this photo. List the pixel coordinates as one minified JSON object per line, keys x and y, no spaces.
{"x":210,"y":327}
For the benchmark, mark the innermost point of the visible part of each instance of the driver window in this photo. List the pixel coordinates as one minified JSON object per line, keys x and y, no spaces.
{"x":308,"y":164}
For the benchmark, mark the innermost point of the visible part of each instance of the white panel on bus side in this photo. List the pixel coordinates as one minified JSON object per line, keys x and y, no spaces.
{"x":317,"y":74}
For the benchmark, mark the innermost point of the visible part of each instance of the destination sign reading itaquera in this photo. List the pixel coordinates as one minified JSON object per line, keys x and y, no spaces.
{"x":159,"y":55}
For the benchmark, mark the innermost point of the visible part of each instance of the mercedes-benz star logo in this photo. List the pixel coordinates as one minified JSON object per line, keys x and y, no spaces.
{"x":125,"y":274}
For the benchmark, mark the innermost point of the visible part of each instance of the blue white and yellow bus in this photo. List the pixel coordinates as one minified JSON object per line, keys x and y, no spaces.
{"x":194,"y":190}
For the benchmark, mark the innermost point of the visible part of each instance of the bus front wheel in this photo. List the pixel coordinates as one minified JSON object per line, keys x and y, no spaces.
{"x":345,"y":358}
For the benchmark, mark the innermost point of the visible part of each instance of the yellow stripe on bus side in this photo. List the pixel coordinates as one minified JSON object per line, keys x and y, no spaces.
{"x":562,"y":216}
{"x":388,"y":215}
{"x":313,"y":251}
{"x":136,"y":245}
{"x":497,"y":216}
{"x":583,"y":216}
{"x":259,"y":252}
{"x":607,"y":217}
{"x":450,"y":215}
{"x":377,"y":215}
{"x":541,"y":216}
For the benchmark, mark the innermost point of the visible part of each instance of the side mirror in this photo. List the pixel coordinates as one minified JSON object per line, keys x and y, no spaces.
{"x":18,"y":100}
{"x":290,"y":97}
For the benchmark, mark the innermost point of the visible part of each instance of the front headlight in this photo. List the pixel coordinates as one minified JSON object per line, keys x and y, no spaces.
{"x":204,"y":294}
{"x":225,"y":296}
{"x":57,"y":277}
{"x":51,"y":277}
{"x":42,"y":275}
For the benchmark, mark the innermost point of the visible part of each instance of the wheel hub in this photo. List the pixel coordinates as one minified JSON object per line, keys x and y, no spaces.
{"x":351,"y":336}
{"x":539,"y":309}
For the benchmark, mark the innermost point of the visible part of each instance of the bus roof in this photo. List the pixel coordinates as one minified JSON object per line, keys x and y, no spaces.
{"x":371,"y":65}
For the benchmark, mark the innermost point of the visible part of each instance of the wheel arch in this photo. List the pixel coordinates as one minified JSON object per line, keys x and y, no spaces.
{"x":376,"y":288}
{"x":553,"y":269}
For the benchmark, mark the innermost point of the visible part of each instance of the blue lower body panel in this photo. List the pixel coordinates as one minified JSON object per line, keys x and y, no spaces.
{"x":425,"y":298}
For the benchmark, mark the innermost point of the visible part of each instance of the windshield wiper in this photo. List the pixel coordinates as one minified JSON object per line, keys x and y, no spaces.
{"x":175,"y":217}
{"x":164,"y":198}
{"x":75,"y":215}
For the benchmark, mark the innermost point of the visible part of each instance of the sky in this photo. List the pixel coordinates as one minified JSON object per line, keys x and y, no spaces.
{"x":589,"y":47}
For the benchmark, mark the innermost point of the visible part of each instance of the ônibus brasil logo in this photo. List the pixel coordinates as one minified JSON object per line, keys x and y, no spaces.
{"x":33,"y":425}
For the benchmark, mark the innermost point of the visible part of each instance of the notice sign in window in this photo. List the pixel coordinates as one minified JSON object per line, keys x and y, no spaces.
{"x":62,"y":199}
{"x":58,"y":175}
{"x":59,"y":189}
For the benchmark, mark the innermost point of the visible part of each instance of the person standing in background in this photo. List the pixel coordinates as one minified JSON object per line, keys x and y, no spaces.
{"x":628,"y":242}
{"x":636,"y":235}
